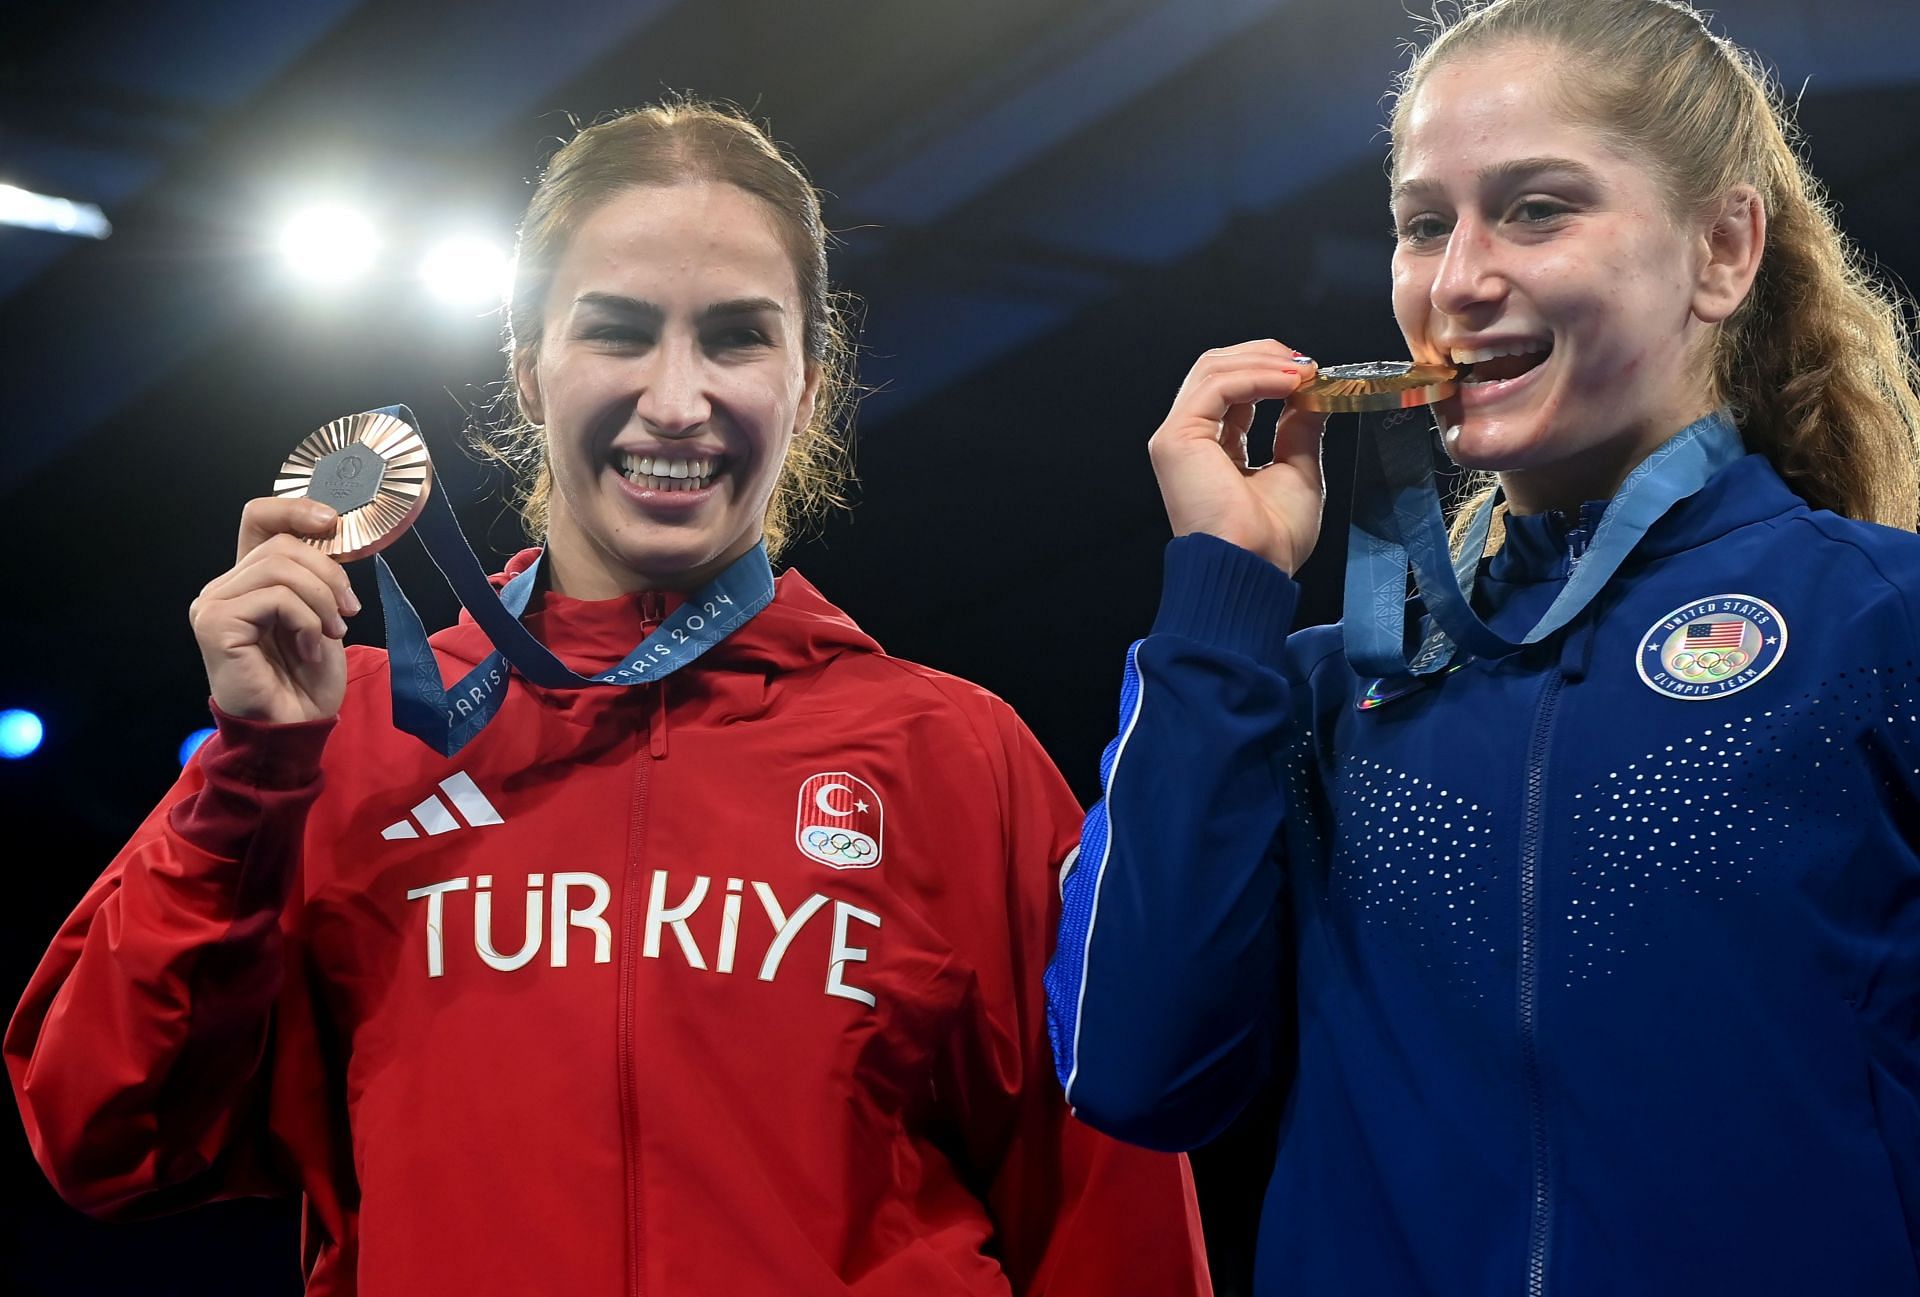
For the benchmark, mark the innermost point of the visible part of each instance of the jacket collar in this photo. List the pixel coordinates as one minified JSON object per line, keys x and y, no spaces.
{"x":1747,"y":491}
{"x":800,"y":627}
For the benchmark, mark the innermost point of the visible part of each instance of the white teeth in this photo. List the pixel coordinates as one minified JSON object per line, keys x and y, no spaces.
{"x":665,"y":473}
{"x":1473,"y":356}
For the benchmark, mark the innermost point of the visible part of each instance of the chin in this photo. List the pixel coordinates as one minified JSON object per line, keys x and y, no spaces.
{"x":1493,"y":448}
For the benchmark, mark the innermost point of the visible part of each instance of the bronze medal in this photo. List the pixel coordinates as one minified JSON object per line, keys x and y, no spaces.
{"x":1376,"y":385}
{"x":372,"y":468}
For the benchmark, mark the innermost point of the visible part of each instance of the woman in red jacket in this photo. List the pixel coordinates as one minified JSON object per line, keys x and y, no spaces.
{"x":726,"y":982}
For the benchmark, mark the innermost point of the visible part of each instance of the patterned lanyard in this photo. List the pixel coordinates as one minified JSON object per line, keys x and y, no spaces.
{"x":446,"y":720}
{"x":1397,"y":525}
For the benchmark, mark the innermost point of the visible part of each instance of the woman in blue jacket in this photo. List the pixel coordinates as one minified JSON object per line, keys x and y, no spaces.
{"x":1584,"y":944}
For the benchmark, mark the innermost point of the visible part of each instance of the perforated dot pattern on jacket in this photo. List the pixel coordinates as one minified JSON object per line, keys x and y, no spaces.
{"x":1417,"y":861}
{"x":1726,"y":808}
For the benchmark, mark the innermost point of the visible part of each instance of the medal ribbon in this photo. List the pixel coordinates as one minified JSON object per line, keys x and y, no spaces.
{"x":447,"y":720}
{"x":1397,"y":525}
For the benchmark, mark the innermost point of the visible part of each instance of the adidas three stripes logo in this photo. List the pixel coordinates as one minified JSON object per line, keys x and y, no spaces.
{"x":435,"y":818}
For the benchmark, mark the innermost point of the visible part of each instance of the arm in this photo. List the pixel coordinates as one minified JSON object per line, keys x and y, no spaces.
{"x":1077,"y":1214}
{"x":1167,"y":992}
{"x":138,"y":1053}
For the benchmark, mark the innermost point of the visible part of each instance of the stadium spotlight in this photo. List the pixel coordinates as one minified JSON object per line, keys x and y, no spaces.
{"x":468,"y":270}
{"x":20,"y":733}
{"x":329,"y":245}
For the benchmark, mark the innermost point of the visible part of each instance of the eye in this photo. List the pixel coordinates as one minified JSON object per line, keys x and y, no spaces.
{"x":620,"y":335}
{"x":739,"y":337}
{"x":1538,"y":211}
{"x":1421,"y":229}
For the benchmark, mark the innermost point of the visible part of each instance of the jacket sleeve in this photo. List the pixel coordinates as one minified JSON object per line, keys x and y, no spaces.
{"x":138,"y":1054}
{"x":1166,"y":995}
{"x":1077,"y":1214}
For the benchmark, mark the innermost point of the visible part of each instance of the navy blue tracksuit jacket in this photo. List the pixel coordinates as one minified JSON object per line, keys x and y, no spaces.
{"x":1595,"y":970}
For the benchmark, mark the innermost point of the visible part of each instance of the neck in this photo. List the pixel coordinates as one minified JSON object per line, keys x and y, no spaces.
{"x":566,"y":574}
{"x":1594,"y":474}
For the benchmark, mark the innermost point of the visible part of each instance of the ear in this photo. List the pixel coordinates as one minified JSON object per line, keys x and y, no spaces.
{"x":1733,"y":243}
{"x":809,"y":395}
{"x":526,"y":382}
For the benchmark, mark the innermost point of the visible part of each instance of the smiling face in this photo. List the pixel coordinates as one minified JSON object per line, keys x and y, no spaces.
{"x":1534,"y":248}
{"x":671,"y":378}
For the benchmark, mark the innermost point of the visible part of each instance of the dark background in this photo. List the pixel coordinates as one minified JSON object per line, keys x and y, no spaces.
{"x":1050,"y":206}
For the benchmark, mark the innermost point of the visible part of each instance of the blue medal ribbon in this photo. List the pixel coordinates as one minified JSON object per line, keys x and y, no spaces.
{"x":447,"y":721}
{"x":1397,"y":526}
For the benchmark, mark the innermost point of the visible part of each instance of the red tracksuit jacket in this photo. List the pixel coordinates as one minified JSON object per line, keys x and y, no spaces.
{"x":726,"y":984}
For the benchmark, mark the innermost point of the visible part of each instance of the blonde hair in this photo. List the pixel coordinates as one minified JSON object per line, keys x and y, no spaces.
{"x":1817,"y":363}
{"x":669,"y":143}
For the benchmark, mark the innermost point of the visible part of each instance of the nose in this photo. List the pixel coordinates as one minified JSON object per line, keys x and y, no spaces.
{"x":673,"y":400}
{"x":1468,"y":278}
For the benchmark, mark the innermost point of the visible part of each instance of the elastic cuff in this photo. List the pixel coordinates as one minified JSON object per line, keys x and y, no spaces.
{"x":257,"y":774}
{"x":263,"y":754}
{"x":1216,"y":593}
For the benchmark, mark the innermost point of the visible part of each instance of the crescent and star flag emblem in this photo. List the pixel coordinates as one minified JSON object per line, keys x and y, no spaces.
{"x":839,"y":821}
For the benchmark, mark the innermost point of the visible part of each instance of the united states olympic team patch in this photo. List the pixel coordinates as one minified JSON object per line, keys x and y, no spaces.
{"x":1712,"y":647}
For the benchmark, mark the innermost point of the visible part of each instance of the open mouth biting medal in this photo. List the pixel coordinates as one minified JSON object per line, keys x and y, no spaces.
{"x":1375,"y":385}
{"x":1398,"y":525}
{"x":374,"y":469}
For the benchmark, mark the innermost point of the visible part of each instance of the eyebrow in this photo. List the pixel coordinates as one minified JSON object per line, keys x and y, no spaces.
{"x":1506,"y":175}
{"x":718,"y":310}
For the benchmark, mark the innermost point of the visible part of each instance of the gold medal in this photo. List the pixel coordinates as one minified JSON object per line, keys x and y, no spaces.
{"x":1375,"y":385}
{"x":372,"y":468}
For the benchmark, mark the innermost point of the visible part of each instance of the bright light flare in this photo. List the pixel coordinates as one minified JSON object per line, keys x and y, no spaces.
{"x":20,"y":733}
{"x":329,"y":245}
{"x":468,"y":270}
{"x":31,"y":211}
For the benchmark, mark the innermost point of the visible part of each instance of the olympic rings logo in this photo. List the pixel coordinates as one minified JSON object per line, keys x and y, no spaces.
{"x":850,"y":847}
{"x":1709,"y":665}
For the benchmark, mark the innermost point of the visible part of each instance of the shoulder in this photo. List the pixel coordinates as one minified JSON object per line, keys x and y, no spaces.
{"x":1889,"y":549}
{"x":913,"y":694}
{"x":1853,"y":565}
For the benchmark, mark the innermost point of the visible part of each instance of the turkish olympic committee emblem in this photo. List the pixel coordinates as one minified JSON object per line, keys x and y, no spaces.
{"x":1712,"y":647}
{"x":839,"y":821}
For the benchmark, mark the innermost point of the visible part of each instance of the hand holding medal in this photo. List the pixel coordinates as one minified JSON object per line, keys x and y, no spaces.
{"x":1272,"y":509}
{"x":270,"y":628}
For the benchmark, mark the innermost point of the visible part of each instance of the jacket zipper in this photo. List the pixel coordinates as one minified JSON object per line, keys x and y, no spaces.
{"x":1580,"y":534}
{"x":1541,"y":1205}
{"x":1540,"y":1195}
{"x":629,"y":1082}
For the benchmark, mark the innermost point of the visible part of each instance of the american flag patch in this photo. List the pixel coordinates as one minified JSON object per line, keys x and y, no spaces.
{"x":1712,"y":647}
{"x":1716,"y":634}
